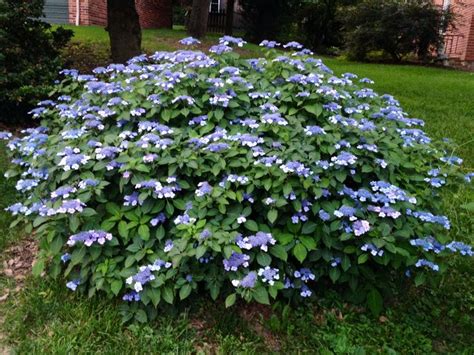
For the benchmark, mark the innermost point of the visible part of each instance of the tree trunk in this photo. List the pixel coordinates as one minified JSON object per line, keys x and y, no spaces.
{"x":229,"y":19}
{"x":124,"y":30}
{"x":198,"y":20}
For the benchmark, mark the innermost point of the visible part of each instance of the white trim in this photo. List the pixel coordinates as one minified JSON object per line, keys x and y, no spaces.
{"x":218,"y":6}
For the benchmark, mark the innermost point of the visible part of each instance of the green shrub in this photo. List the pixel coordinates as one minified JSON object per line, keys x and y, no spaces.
{"x":319,"y":23}
{"x":185,"y":173}
{"x":268,"y":18}
{"x":398,"y":28}
{"x":29,"y":56}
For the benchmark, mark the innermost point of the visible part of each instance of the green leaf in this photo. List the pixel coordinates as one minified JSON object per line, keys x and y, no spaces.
{"x":285,"y":238}
{"x":74,"y":223}
{"x":279,"y":251}
{"x":468,"y":206}
{"x":144,"y":232}
{"x":308,"y":242}
{"x":123,"y":229}
{"x":56,"y":245}
{"x":362,"y":258}
{"x":264,"y":259}
{"x":141,"y":316}
{"x":374,"y":301}
{"x":334,"y":274}
{"x":155,"y":295}
{"x":112,"y":208}
{"x":168,"y":295}
{"x":185,"y":291}
{"x":315,"y":109}
{"x":38,"y":267}
{"x":272,"y":215}
{"x":230,"y":300}
{"x":218,"y":114}
{"x":308,"y":228}
{"x":116,"y":286}
{"x":251,"y":225}
{"x":107,"y":225}
{"x":300,"y":252}
{"x":420,"y":279}
{"x":261,"y":295}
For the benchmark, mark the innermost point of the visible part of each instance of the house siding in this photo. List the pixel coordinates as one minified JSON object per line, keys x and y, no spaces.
{"x":56,"y":11}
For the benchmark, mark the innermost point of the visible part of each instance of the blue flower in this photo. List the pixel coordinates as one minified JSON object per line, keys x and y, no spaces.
{"x":428,"y":264}
{"x":90,"y":237}
{"x":235,"y":261}
{"x":189,"y":41}
{"x":304,"y":274}
{"x":360,"y":227}
{"x":131,"y":297}
{"x":161,"y":218}
{"x":226,"y":40}
{"x":269,"y":44}
{"x":269,"y":275}
{"x":72,"y":285}
{"x":293,"y":44}
{"x":248,"y":281}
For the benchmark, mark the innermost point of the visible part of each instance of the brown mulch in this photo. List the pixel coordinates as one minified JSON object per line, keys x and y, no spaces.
{"x":17,"y":264}
{"x":256,"y":314}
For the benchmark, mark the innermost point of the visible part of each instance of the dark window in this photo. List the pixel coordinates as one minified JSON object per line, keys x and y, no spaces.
{"x":214,"y":6}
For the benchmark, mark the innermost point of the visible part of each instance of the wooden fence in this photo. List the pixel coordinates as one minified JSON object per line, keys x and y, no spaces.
{"x":216,"y":22}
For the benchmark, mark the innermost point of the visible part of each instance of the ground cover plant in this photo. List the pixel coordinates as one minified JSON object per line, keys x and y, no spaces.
{"x":183,"y":172}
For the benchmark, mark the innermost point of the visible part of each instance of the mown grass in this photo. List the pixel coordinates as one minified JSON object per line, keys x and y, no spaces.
{"x":46,"y":318}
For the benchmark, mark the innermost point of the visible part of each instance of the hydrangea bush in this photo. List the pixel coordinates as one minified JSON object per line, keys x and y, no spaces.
{"x":185,"y":172}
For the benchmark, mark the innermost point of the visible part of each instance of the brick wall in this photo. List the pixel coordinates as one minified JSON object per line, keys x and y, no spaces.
{"x":469,"y":56}
{"x":155,"y":13}
{"x":152,"y":13}
{"x":464,"y":30}
{"x":98,"y":12}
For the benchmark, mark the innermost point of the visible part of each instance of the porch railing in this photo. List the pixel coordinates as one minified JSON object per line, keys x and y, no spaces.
{"x":451,"y":44}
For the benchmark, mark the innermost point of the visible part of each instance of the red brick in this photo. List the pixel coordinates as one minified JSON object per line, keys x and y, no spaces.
{"x":152,"y":13}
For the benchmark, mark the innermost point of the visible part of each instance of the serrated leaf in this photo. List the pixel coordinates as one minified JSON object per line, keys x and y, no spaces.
{"x":315,"y":109}
{"x":285,"y":238}
{"x":116,"y":286}
{"x":112,"y":208}
{"x":144,"y":232}
{"x":272,"y":215}
{"x":261,"y":295}
{"x":264,"y":259}
{"x":374,"y":301}
{"x":185,"y":291}
{"x":155,"y":295}
{"x":141,"y":316}
{"x":230,"y":300}
{"x":279,"y":251}
{"x":168,"y":295}
{"x":308,"y":242}
{"x":123,"y":229}
{"x":38,"y":267}
{"x":334,"y":274}
{"x":308,"y":228}
{"x":362,"y":258}
{"x":251,"y":225}
{"x":300,"y":252}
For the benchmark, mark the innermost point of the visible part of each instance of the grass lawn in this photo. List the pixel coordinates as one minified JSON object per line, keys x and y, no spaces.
{"x":44,"y":317}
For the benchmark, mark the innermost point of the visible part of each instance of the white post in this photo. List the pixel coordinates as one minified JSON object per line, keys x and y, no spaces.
{"x":78,"y":12}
